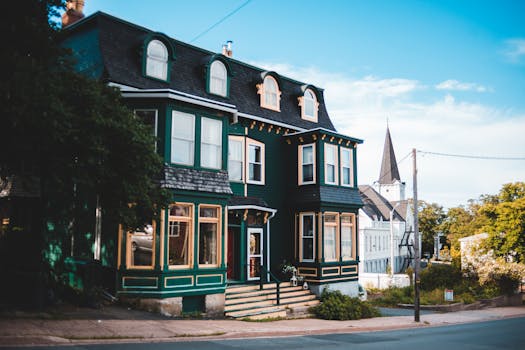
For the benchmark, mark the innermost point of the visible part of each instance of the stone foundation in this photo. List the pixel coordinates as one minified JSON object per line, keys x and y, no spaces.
{"x":214,"y":304}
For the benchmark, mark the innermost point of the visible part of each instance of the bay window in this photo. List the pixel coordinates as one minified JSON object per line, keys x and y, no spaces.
{"x":306,"y":164}
{"x":211,"y":143}
{"x":182,"y":138}
{"x":180,"y":235}
{"x":307,"y":236}
{"x":209,"y":234}
{"x":347,"y":234}
{"x":347,"y":176}
{"x":140,"y":247}
{"x":330,"y":161}
{"x":330,"y":236}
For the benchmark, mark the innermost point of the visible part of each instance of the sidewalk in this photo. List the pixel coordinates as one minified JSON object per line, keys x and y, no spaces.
{"x":117,"y":325}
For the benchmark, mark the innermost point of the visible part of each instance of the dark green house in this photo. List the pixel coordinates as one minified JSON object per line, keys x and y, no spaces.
{"x":257,"y":171}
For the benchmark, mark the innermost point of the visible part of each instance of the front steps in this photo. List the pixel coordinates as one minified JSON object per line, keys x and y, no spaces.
{"x":249,"y":302}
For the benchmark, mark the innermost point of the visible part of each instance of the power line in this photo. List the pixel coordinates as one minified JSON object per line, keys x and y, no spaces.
{"x":221,"y":20}
{"x":470,"y":156}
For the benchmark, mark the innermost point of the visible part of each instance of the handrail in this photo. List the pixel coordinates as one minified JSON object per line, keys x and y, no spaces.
{"x":277,"y":283}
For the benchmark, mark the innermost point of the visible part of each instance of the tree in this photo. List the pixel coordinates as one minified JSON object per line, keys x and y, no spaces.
{"x":506,"y":223}
{"x":72,"y":132}
{"x":430,"y":218}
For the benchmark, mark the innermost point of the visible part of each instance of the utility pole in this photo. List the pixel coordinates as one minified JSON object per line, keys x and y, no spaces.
{"x":416,"y":242}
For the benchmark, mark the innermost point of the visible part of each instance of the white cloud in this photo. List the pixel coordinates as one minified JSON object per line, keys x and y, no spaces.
{"x":455,"y":85}
{"x":445,"y":124}
{"x":514,"y":49}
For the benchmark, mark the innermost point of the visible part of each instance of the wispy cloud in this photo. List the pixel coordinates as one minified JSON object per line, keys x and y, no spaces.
{"x":447,"y":124}
{"x":454,"y":85}
{"x":515,"y":50}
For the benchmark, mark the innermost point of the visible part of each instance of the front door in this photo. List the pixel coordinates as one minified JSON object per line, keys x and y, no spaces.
{"x":254,"y":253}
{"x":233,"y":261}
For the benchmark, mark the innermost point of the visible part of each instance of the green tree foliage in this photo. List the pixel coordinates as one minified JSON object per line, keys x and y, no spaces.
{"x":506,"y":222}
{"x":430,"y":218}
{"x":73,"y":133}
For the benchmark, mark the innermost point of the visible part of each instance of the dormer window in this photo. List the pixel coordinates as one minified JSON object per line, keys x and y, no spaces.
{"x":218,"y":79}
{"x":270,"y":94}
{"x":309,"y":106}
{"x":157,"y":60}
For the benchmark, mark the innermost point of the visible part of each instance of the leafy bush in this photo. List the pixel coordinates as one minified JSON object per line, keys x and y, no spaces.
{"x":394,"y":295}
{"x":337,"y":306}
{"x":440,"y":276}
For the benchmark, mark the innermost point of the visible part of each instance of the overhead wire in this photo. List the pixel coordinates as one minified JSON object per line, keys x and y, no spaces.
{"x":470,"y":156}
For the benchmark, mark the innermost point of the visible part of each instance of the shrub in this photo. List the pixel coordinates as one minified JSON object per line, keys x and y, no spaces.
{"x":337,"y":306}
{"x":440,"y":276}
{"x":394,"y":295}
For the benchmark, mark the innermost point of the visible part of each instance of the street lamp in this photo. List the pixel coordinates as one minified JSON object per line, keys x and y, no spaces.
{"x":392,"y":239}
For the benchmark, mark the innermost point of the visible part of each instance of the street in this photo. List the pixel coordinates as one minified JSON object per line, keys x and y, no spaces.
{"x":500,"y":334}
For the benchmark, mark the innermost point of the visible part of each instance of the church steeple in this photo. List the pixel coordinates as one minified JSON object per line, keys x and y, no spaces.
{"x":389,"y":171}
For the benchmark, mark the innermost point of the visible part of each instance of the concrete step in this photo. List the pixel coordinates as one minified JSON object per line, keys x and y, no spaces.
{"x":247,"y":297}
{"x":247,"y":306}
{"x":243,"y":313}
{"x":265,"y":315}
{"x":298,"y":299}
{"x":302,"y":304}
{"x":234,"y":293}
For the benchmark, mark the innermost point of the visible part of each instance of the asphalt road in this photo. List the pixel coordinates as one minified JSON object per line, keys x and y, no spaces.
{"x":502,"y":334}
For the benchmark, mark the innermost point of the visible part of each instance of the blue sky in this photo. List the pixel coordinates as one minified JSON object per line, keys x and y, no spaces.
{"x":448,"y":75}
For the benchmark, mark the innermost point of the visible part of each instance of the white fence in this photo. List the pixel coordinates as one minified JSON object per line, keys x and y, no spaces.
{"x":383,"y":280}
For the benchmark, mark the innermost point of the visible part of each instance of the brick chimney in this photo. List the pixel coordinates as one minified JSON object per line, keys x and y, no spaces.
{"x":227,"y":49}
{"x":73,"y":12}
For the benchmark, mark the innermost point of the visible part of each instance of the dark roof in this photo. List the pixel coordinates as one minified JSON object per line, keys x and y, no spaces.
{"x":121,"y":43}
{"x":328,"y":195}
{"x":389,"y":171}
{"x":241,"y":201}
{"x":196,"y":180}
{"x":376,"y":206}
{"x":19,"y":186}
{"x":402,"y":208}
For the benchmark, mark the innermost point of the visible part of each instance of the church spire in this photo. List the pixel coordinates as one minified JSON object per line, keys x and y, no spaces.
{"x":389,"y":171}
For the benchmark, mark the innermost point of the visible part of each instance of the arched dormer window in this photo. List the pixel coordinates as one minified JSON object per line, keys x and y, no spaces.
{"x":157,"y":60}
{"x":218,"y":79}
{"x":270,"y":93}
{"x":309,"y":105}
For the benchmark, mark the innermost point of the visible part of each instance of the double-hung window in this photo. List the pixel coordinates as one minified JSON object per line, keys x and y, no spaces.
{"x":182,"y":138}
{"x":236,"y":158}
{"x":307,"y":239}
{"x":309,"y":106}
{"x":347,"y":234}
{"x":347,"y":176}
{"x":180,"y":234}
{"x":330,"y":161}
{"x":209,"y":234}
{"x":306,"y":164}
{"x":270,"y":93}
{"x":218,"y":78}
{"x":157,"y":60}
{"x":330,"y":236}
{"x":211,"y":143}
{"x":255,"y":169}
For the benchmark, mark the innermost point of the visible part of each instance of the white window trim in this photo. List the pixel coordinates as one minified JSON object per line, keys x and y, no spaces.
{"x":351,"y":151}
{"x":192,"y":158}
{"x":300,"y":168}
{"x":302,"y":103}
{"x":220,"y":144}
{"x":336,"y":165}
{"x":250,"y":142}
{"x":240,"y":139}
{"x":248,"y":254}
{"x":210,"y":85}
{"x":190,"y":219}
{"x":314,"y":238}
{"x":157,"y":60}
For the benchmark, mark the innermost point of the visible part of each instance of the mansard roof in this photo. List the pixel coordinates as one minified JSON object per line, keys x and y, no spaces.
{"x":389,"y":171}
{"x":376,"y":206}
{"x":111,"y":49}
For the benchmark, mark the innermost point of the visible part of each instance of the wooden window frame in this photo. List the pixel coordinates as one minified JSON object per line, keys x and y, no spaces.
{"x":192,"y":156}
{"x":336,"y":238}
{"x":218,"y":221}
{"x":262,"y":90}
{"x":213,"y":65}
{"x":352,"y":224}
{"x":300,"y":162}
{"x":157,"y":60}
{"x":302,"y":103}
{"x":129,"y":264}
{"x":242,"y":140}
{"x":328,"y":146}
{"x":213,"y":120}
{"x":189,"y":219}
{"x":301,"y":236}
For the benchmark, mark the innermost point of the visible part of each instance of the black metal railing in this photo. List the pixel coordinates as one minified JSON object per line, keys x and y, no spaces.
{"x":272,"y":277}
